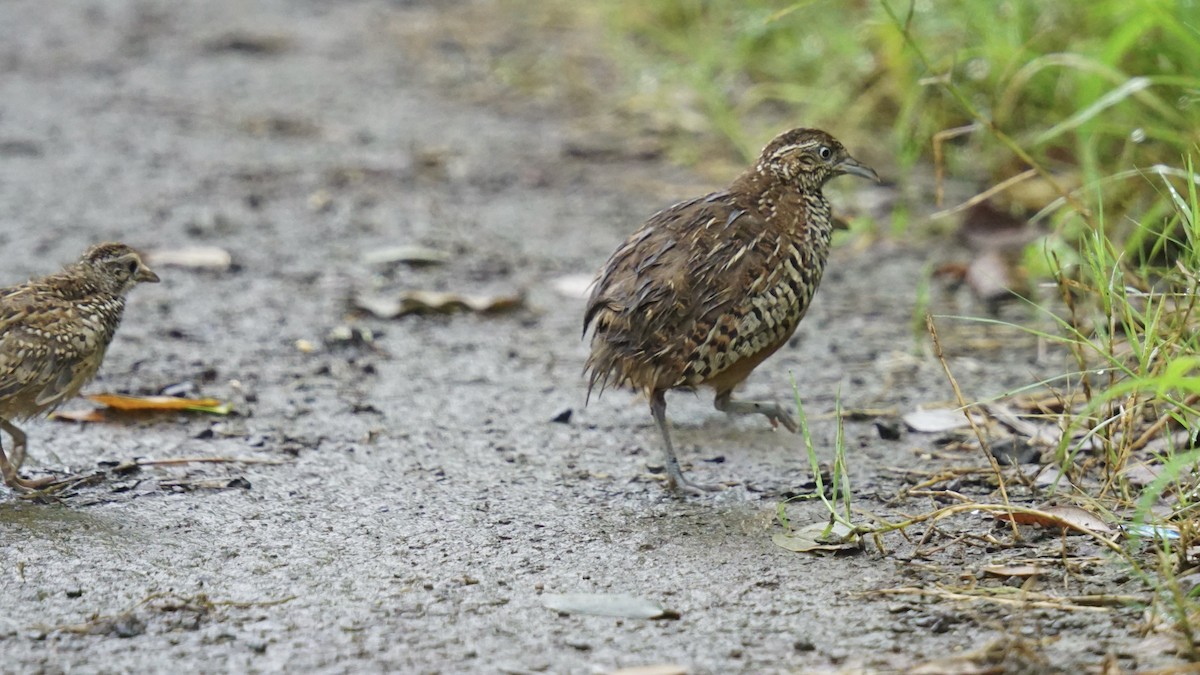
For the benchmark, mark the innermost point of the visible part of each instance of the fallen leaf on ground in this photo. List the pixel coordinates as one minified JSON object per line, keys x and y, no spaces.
{"x":1070,"y":517}
{"x":1013,"y":570}
{"x":410,"y":255}
{"x":1141,"y":474}
{"x":191,"y":257}
{"x":433,"y":302}
{"x":936,"y":420}
{"x":607,"y":604}
{"x":120,"y":402}
{"x":1051,"y":475}
{"x":815,"y":538}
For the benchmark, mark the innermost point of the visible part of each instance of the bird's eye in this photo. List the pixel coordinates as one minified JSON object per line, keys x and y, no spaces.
{"x":825,"y":153}
{"x":132,"y":267}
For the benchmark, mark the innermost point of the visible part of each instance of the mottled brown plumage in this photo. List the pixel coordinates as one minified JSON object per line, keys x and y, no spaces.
{"x":708,"y":288}
{"x":53,"y":335}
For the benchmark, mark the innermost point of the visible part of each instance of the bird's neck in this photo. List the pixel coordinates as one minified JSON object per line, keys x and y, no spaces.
{"x":76,"y":284}
{"x":800,"y":210}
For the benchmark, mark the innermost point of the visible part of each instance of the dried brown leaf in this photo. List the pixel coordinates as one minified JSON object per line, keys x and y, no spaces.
{"x":1068,"y":517}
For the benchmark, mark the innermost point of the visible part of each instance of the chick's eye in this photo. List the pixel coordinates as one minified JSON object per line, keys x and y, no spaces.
{"x":824,"y":152}
{"x":132,"y":267}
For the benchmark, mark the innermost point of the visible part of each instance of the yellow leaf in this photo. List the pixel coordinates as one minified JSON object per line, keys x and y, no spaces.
{"x":151,"y":403}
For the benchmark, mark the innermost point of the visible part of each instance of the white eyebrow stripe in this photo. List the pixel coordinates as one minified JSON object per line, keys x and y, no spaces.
{"x":794,"y":146}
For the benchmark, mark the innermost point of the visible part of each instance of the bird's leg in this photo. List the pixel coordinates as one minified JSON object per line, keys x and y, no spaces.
{"x":18,"y":446}
{"x":772,"y":411}
{"x":658,"y":408}
{"x":9,"y":470}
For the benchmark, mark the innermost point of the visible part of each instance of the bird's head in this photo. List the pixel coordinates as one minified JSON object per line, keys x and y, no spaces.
{"x":809,"y":158}
{"x":117,"y":267}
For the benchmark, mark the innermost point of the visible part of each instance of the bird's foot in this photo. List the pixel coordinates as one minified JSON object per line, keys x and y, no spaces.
{"x":681,"y":485}
{"x":780,"y":416}
{"x":687,"y":487}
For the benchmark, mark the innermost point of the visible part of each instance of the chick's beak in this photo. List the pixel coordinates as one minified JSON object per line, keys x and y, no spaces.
{"x":145,"y":274}
{"x":856,"y":168}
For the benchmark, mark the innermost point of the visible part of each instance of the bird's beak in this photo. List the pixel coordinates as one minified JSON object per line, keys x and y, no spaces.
{"x":856,"y":168}
{"x":145,"y":274}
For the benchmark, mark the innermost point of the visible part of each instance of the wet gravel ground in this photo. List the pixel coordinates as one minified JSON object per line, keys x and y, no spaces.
{"x":424,"y":497}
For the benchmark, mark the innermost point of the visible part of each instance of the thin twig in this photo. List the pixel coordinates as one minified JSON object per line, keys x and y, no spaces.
{"x":171,"y":461}
{"x":1158,"y":425}
{"x":986,"y":194}
{"x":1092,"y":603}
{"x":962,"y":402}
{"x":939,"y":168}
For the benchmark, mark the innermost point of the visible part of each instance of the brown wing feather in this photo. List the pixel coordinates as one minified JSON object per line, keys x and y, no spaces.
{"x":684,"y":297}
{"x":48,"y":348}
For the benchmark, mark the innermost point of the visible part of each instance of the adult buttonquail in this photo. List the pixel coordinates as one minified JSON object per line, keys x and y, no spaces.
{"x":708,"y":288}
{"x":53,"y":335}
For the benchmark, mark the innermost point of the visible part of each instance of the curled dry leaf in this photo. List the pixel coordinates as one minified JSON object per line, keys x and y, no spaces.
{"x":607,"y":604}
{"x":191,"y":257}
{"x":1067,"y":517}
{"x":1013,"y":570}
{"x":433,"y":302}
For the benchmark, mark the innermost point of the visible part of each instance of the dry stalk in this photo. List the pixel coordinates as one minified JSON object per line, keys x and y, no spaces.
{"x":962,"y":402}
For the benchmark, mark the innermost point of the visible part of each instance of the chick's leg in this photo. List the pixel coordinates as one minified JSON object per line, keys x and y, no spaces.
{"x":18,"y":446}
{"x":9,"y":470}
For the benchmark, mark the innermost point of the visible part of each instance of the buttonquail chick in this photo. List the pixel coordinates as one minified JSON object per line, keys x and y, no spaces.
{"x":53,"y":335}
{"x":709,"y":288}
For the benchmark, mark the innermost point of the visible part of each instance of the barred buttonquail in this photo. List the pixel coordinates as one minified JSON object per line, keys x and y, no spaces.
{"x":709,"y":288}
{"x":53,"y":334}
